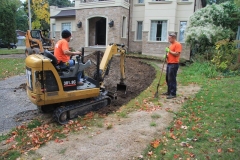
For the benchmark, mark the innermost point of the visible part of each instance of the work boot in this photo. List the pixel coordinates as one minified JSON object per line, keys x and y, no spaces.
{"x":166,"y":94}
{"x":80,"y":83}
{"x":171,"y":97}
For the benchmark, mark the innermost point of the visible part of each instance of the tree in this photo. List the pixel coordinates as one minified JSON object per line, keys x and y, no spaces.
{"x":61,"y":3}
{"x":237,"y":2}
{"x":211,"y":24}
{"x":7,"y":20}
{"x":21,"y":19}
{"x":40,"y":8}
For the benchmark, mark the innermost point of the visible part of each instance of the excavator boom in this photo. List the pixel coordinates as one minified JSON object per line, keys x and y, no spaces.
{"x":111,"y":50}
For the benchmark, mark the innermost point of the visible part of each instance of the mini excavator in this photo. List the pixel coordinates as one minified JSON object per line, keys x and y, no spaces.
{"x":54,"y":89}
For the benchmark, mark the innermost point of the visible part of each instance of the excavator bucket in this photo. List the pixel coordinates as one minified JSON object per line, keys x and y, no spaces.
{"x":122,"y":87}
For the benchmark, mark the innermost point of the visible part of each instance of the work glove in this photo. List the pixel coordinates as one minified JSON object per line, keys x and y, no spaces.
{"x":165,"y":56}
{"x":167,"y":49}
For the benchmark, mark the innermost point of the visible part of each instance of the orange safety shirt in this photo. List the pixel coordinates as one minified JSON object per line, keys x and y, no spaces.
{"x":174,"y":47}
{"x":60,"y":47}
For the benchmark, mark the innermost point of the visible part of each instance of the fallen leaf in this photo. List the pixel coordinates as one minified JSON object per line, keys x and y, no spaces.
{"x":176,"y":156}
{"x":184,"y":144}
{"x":173,"y":136}
{"x":155,"y":143}
{"x":141,"y":156}
{"x":219,"y":150}
{"x":230,"y":150}
{"x":150,"y":153}
{"x":184,"y":127}
{"x":192,"y":155}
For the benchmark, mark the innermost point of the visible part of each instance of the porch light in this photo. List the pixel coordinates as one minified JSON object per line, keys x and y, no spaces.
{"x":111,"y":23}
{"x":79,"y":25}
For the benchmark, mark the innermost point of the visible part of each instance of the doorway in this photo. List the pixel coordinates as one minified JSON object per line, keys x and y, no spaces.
{"x":100,"y":38}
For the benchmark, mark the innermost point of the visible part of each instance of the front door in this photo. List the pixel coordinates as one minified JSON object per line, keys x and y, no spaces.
{"x":101,"y":32}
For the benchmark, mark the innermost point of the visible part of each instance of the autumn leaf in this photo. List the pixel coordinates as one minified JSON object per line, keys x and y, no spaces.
{"x":58,"y":140}
{"x":176,"y":156}
{"x":230,"y":150}
{"x":219,"y":150}
{"x":172,"y":136}
{"x":150,"y":153}
{"x":155,"y":143}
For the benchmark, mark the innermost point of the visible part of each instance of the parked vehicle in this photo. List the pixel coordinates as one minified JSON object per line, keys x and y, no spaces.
{"x":5,"y":45}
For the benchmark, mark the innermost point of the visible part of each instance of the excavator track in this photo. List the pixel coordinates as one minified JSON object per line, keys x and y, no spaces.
{"x":78,"y":108}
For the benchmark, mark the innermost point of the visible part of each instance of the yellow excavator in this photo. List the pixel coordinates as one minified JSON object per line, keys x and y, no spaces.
{"x":36,"y":42}
{"x":55,"y":89}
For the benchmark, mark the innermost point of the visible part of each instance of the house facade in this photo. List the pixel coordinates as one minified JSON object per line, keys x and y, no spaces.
{"x":142,"y":25}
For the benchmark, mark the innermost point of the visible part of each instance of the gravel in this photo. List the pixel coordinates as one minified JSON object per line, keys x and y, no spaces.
{"x":14,"y":102}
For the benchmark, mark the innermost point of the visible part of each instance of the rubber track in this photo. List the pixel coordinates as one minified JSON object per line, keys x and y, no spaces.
{"x":74,"y":105}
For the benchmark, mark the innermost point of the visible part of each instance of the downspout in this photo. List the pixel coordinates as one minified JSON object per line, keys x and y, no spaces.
{"x":128,"y":42}
{"x":194,"y":5}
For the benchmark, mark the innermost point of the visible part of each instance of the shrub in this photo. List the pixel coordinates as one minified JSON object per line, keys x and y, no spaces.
{"x":226,"y":55}
{"x":212,"y":24}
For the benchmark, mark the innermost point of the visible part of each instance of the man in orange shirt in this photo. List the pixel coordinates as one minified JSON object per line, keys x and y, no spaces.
{"x":62,"y":53}
{"x":173,"y":55}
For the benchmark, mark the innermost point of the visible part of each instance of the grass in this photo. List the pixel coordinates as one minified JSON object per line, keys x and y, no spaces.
{"x":155,"y":116}
{"x":11,"y":51}
{"x":153,"y":124}
{"x":211,"y":119}
{"x":11,"y":67}
{"x":145,"y":96}
{"x":12,"y":155}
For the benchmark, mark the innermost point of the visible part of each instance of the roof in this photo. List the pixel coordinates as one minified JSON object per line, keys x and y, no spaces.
{"x":65,"y":13}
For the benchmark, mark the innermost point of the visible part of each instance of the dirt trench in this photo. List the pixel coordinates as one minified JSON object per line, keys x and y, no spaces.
{"x":139,"y":76}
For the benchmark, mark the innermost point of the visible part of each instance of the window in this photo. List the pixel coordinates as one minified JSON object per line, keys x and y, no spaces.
{"x":158,"y":31}
{"x":140,"y":1}
{"x":66,"y":26}
{"x":182,"y":28}
{"x":124,"y":27}
{"x":139,"y":30}
{"x":53,"y":30}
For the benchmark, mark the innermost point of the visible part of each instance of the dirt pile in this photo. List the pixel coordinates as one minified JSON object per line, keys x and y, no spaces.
{"x":139,"y":76}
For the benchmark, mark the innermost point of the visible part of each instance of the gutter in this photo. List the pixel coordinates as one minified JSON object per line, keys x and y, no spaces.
{"x":128,"y":42}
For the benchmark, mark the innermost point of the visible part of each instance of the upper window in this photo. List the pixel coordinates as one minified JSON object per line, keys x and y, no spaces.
{"x":182,"y":28}
{"x":66,"y":26}
{"x":124,"y":27}
{"x":158,"y":31}
{"x":140,"y":1}
{"x":139,"y":30}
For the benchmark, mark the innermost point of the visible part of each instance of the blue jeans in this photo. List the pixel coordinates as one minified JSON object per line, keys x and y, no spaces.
{"x":171,"y":75}
{"x":79,"y":74}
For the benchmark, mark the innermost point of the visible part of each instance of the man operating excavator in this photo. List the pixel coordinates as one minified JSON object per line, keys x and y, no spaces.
{"x":62,"y":53}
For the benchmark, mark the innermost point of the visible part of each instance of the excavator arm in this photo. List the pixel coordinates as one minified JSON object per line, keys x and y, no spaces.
{"x":111,"y":50}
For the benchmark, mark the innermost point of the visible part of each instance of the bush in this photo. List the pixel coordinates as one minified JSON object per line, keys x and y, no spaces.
{"x":210,"y":25}
{"x":226,"y":55}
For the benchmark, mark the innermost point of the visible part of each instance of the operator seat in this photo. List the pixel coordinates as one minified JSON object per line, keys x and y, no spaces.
{"x":67,"y":71}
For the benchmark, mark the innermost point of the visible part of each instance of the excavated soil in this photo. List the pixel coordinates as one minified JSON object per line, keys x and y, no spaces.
{"x":139,"y":76}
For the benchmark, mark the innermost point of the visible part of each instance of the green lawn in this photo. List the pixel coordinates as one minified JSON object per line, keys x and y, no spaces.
{"x":11,"y":67}
{"x":207,"y":126}
{"x":11,"y":51}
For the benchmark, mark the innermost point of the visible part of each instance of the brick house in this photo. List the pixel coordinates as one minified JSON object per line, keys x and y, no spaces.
{"x":143,"y":25}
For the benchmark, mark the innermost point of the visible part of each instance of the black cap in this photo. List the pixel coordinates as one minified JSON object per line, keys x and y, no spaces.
{"x":66,"y":33}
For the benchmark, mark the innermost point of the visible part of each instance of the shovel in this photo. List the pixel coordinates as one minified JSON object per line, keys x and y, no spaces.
{"x":156,"y":94}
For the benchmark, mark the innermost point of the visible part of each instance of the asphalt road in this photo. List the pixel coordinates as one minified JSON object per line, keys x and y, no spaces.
{"x":13,"y":102}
